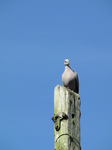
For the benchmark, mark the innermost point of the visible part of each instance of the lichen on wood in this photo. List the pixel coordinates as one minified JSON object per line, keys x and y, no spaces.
{"x":66,"y":103}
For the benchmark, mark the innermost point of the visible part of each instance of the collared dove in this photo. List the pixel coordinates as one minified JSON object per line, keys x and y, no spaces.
{"x":70,"y":78}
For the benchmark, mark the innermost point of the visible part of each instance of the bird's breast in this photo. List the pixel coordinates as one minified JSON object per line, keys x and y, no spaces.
{"x":67,"y":77}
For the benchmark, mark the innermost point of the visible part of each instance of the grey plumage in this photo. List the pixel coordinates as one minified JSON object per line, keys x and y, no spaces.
{"x":70,"y":78}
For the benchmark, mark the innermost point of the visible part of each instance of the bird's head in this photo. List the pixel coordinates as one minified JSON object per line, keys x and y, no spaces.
{"x":66,"y":62}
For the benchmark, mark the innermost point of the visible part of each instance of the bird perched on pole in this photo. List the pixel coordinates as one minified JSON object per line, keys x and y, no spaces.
{"x":70,"y":78}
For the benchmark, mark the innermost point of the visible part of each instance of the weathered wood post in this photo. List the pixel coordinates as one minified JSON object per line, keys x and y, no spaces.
{"x":66,"y":119}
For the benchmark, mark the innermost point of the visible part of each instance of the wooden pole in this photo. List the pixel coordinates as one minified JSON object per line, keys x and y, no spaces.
{"x":66,"y":119}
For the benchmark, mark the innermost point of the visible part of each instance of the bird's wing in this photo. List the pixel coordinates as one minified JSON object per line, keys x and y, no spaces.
{"x":77,"y":80}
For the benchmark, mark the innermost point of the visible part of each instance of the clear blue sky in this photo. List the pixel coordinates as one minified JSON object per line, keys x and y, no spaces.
{"x":35,"y":38}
